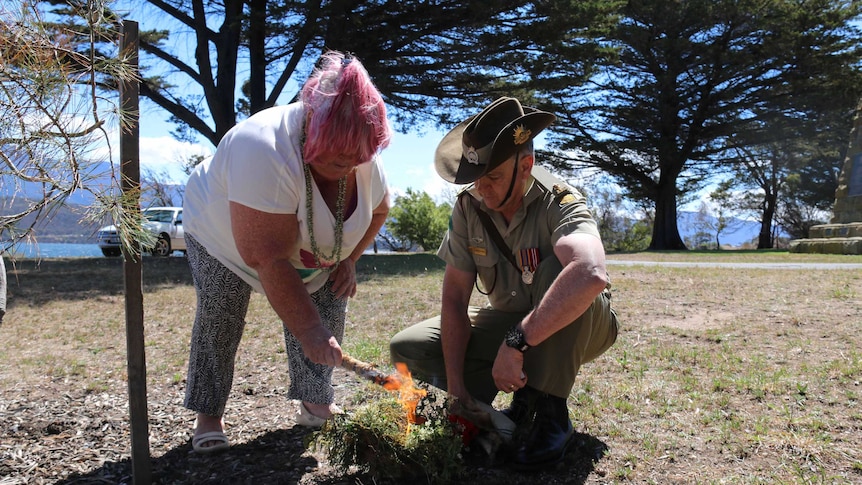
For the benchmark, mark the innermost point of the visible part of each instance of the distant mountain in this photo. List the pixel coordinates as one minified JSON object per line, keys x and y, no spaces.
{"x":64,"y":224}
{"x":741,"y":232}
{"x":98,"y":178}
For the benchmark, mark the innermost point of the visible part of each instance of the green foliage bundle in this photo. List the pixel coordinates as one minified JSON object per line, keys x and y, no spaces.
{"x":377,"y":439}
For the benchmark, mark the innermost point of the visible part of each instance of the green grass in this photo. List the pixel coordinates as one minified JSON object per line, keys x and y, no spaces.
{"x":739,"y":256}
{"x":719,"y":375}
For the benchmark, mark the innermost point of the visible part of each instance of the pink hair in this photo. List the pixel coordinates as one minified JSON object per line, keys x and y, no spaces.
{"x":345,"y":112}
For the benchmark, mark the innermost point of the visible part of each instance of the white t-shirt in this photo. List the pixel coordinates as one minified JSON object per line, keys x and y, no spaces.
{"x":258,"y":164}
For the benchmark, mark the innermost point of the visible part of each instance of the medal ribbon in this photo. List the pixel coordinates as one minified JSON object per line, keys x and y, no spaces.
{"x":529,"y":259}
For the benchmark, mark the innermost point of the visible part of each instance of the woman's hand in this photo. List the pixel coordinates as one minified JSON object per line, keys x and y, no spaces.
{"x":321,"y":347}
{"x":344,"y":279}
{"x":508,"y":370}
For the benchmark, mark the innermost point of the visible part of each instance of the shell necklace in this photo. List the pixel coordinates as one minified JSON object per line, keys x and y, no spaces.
{"x":339,"y":220}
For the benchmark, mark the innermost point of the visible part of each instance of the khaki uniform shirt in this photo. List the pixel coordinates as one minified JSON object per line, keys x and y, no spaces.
{"x":550,"y":211}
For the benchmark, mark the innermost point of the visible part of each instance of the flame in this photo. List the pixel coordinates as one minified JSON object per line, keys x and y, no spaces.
{"x":408,"y":394}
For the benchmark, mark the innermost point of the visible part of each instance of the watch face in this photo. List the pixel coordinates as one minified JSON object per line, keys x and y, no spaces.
{"x":511,"y":338}
{"x":515,"y":338}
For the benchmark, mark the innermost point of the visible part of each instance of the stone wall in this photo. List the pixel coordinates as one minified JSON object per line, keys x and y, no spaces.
{"x":848,"y":196}
{"x":843,"y":235}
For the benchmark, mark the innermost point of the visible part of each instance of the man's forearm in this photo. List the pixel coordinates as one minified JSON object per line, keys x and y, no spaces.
{"x":568,"y":298}
{"x":455,"y":334}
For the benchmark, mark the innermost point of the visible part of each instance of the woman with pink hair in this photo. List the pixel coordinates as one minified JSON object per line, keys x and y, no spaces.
{"x":286,"y":206}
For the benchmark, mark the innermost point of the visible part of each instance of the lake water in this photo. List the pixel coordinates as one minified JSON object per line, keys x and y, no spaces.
{"x":64,"y":250}
{"x":57,"y":250}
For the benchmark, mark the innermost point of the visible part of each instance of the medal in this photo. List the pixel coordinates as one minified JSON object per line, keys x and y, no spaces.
{"x":527,"y":276}
{"x":529,"y":259}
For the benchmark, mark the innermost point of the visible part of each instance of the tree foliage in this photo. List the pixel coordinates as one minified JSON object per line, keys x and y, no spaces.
{"x":158,"y":190}
{"x":422,"y":55}
{"x":794,"y":215}
{"x":794,"y":176}
{"x":690,"y":76}
{"x":619,"y":229}
{"x":417,"y":221}
{"x":55,"y":124}
{"x":807,"y":139}
{"x":664,"y":96}
{"x":723,"y":203}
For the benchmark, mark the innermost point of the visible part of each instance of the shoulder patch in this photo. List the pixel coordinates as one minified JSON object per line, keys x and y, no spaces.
{"x":562,"y":192}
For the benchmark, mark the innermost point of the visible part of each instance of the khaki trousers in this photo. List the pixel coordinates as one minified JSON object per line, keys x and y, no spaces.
{"x":551,"y":366}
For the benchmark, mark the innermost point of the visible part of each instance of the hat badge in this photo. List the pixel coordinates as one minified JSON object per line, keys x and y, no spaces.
{"x":472,"y":156}
{"x":522,"y":135}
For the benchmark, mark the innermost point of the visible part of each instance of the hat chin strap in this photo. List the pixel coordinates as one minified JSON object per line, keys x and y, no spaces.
{"x":512,"y":183}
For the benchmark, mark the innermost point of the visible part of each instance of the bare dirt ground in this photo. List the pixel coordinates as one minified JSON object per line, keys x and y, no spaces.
{"x":56,"y":436}
{"x":719,"y":376}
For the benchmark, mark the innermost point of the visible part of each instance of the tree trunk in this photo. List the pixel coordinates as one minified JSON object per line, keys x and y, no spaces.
{"x":765,"y":239}
{"x":219,"y":91}
{"x":257,"y":57}
{"x":665,"y":232}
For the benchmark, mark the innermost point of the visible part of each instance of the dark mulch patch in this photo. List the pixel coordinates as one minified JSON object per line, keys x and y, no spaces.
{"x":52,"y":436}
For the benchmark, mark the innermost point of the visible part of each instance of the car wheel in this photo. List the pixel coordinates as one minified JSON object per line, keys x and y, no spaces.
{"x":111,"y":252}
{"x":163,"y":247}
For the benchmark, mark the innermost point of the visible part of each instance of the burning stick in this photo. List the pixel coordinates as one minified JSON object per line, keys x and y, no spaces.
{"x":368,"y":371}
{"x":479,"y":415}
{"x":408,"y":394}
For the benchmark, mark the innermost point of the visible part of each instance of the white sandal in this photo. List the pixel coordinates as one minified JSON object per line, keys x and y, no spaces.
{"x":305,"y":418}
{"x":309,"y":420}
{"x":217,"y":437}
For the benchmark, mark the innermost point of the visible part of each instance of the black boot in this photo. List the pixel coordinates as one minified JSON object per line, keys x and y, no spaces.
{"x":519,"y":410}
{"x":548,"y":437}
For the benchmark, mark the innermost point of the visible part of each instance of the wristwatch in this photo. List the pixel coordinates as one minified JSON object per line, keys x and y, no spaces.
{"x":515,"y":339}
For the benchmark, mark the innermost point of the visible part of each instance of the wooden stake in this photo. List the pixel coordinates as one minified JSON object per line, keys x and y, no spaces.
{"x":132,"y":268}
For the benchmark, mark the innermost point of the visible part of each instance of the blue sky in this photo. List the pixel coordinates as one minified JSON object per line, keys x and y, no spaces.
{"x":409,"y":159}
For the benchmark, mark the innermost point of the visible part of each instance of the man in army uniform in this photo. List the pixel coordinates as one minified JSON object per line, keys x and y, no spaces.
{"x":536,"y":250}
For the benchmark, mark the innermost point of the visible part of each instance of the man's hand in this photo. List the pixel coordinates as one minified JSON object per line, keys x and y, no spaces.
{"x":508,"y":370}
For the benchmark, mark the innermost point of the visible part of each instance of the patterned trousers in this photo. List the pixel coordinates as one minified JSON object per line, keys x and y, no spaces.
{"x":222,"y":304}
